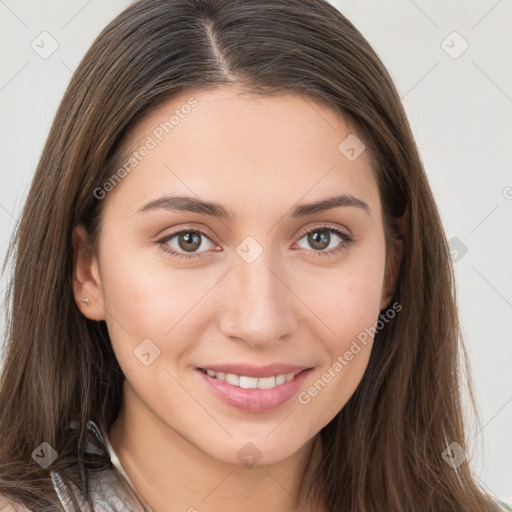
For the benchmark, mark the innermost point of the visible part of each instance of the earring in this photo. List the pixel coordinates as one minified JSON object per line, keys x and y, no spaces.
{"x":86,"y":301}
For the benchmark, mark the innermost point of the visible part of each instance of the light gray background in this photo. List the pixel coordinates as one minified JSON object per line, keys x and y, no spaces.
{"x":460,"y":110}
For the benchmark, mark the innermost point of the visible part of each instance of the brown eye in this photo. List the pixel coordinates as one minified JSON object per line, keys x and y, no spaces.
{"x":189,"y":241}
{"x":326,"y":241}
{"x":319,"y":240}
{"x":185,"y":243}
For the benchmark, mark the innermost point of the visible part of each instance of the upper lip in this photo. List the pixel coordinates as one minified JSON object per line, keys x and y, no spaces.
{"x":248,"y":370}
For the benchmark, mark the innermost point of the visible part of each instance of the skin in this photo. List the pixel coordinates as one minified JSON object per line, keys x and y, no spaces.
{"x":259,"y":156}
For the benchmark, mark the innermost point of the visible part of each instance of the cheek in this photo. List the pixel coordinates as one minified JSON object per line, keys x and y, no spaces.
{"x":144,"y":299}
{"x":349,"y":306}
{"x":346,"y":299}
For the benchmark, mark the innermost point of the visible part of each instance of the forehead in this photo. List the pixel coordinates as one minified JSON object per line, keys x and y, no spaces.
{"x":230,"y":146}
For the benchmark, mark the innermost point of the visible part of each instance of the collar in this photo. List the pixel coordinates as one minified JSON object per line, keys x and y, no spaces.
{"x":100,"y":443}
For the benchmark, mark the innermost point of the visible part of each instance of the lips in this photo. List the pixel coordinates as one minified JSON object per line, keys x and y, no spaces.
{"x":254,"y":389}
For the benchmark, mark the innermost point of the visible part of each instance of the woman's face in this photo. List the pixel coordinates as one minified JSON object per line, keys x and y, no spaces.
{"x":205,"y":268}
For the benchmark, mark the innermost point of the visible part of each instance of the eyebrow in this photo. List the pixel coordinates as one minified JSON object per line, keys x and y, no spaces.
{"x":213,"y":209}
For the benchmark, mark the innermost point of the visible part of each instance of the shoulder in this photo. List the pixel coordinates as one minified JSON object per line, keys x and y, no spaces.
{"x":8,"y":505}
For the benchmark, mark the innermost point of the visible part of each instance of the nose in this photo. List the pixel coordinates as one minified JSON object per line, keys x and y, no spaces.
{"x":258,"y":304}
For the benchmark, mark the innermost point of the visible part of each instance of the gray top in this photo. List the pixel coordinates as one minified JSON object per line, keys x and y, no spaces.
{"x":111,"y":489}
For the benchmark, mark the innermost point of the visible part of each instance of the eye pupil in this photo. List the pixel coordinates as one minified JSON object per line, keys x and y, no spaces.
{"x":192,"y":241}
{"x":319,"y":239}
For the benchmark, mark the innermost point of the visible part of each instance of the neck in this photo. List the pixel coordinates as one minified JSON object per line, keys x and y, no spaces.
{"x":170,"y":473}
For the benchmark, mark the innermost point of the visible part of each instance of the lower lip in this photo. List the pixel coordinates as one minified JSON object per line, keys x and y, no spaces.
{"x":254,"y":400}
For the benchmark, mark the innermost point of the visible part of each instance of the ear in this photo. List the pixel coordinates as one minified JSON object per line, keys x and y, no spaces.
{"x":393,"y":262}
{"x":86,"y":276}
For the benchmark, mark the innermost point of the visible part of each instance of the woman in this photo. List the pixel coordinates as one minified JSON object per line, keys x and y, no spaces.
{"x":232,"y":288}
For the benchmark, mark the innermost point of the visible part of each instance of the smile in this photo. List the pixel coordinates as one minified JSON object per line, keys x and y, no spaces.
{"x":245,"y":382}
{"x":254,"y":393}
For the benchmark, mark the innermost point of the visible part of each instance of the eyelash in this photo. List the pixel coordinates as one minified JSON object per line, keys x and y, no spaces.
{"x":347,"y":240}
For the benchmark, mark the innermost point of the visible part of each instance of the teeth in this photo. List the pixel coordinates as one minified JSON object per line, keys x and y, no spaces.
{"x":245,"y":382}
{"x":267,"y":383}
{"x":281,"y":379}
{"x":248,"y":382}
{"x":233,"y":379}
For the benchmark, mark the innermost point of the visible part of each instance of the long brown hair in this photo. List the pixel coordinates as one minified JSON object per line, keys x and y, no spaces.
{"x":383,"y":449}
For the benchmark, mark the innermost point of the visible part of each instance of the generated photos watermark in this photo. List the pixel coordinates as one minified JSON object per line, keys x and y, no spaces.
{"x":305,"y":397}
{"x":151,"y":142}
